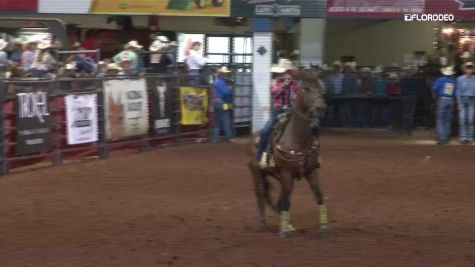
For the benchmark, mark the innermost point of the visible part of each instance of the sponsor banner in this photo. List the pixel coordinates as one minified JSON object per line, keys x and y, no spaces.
{"x":81,"y":119}
{"x":279,"y":8}
{"x":18,"y":6}
{"x":461,"y":9}
{"x":126,"y":104}
{"x":375,"y":8}
{"x":213,"y":8}
{"x":194,"y":105}
{"x":33,"y":121}
{"x":162,"y":106}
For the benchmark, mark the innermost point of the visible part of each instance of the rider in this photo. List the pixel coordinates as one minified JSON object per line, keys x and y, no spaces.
{"x":283,"y":89}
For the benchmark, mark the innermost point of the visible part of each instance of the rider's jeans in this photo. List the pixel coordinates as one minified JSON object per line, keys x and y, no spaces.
{"x":267,"y":131}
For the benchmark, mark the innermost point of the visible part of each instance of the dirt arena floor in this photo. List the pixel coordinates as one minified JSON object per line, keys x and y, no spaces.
{"x":393,"y":201}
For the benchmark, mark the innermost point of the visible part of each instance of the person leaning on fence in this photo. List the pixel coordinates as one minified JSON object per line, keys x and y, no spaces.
{"x":195,"y":63}
{"x":3,"y":55}
{"x":445,"y":89}
{"x":393,"y":90}
{"x":28,"y":55}
{"x":381,"y":109}
{"x":283,"y":90}
{"x":16,"y":51}
{"x":410,"y":93}
{"x":466,"y":103}
{"x":44,"y":61}
{"x":84,"y":65}
{"x":130,"y":55}
{"x":113,"y":69}
{"x":222,"y":104}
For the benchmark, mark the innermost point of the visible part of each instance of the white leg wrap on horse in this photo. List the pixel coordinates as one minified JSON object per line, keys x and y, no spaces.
{"x":323,"y":217}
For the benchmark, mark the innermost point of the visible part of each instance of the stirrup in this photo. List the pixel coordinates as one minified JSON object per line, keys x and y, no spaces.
{"x":263,"y":160}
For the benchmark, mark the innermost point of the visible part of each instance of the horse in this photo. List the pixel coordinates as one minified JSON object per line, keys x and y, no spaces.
{"x":296,"y":154}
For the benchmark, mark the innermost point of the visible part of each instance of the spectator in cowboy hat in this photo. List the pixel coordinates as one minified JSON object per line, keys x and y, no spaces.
{"x":44,"y":61}
{"x":295,"y":58}
{"x":283,"y":89}
{"x":113,"y":69}
{"x":444,"y":87}
{"x":3,"y":55}
{"x":131,"y":52}
{"x":126,"y":62}
{"x":28,"y":55}
{"x":84,"y":64}
{"x":222,"y":105}
{"x":466,"y":103}
{"x":162,"y":61}
{"x":195,"y":63}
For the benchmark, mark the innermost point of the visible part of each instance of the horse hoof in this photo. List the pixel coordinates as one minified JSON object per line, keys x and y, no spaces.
{"x":324,"y":231}
{"x":284,"y":234}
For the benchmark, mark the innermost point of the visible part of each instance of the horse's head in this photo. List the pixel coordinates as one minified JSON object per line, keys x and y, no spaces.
{"x":310,"y":99}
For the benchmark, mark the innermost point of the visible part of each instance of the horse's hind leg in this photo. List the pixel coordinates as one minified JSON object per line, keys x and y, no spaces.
{"x":314,"y":182}
{"x":287,"y":184}
{"x":260,"y":184}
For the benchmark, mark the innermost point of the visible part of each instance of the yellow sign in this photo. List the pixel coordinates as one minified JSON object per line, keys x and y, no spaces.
{"x":194,"y":105}
{"x":163,"y":7}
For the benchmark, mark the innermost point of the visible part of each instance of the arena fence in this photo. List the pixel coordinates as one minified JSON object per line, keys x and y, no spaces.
{"x":72,"y":118}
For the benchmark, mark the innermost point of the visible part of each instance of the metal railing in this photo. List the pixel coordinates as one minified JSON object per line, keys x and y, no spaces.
{"x":23,"y":104}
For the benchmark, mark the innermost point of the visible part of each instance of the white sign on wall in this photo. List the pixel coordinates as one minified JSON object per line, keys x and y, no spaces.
{"x":81,"y":118}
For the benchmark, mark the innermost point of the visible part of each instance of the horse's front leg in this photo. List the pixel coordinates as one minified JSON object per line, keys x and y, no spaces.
{"x":287,"y":184}
{"x":260,"y":184}
{"x":314,"y":182}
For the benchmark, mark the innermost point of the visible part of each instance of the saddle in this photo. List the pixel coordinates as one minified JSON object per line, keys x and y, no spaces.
{"x":277,"y":131}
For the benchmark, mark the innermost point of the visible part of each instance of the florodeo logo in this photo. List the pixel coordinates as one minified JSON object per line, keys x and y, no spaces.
{"x":466,"y":4}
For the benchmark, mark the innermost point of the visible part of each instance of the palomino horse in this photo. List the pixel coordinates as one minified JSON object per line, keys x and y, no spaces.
{"x":296,"y":154}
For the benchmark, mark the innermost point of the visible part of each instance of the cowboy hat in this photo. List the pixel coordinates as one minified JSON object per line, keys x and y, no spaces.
{"x":324,"y":67}
{"x":163,"y":39}
{"x":3,"y":44}
{"x":283,"y":66}
{"x":468,"y":64}
{"x":365,"y":69}
{"x":71,"y":66}
{"x":378,"y":69}
{"x":351,"y":64}
{"x":156,"y":46}
{"x":295,"y":53}
{"x":337,"y":63}
{"x":393,"y":75}
{"x":448,"y":71}
{"x":466,"y":55}
{"x":113,"y":66}
{"x":77,"y":44}
{"x":44,"y":45}
{"x":133,"y":44}
{"x":224,"y":69}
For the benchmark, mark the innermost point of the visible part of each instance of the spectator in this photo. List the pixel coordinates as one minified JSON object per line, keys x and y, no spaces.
{"x":466,"y":103}
{"x":444,"y":87}
{"x":159,"y":44}
{"x":410,"y":94}
{"x":113,"y":69}
{"x":363,"y":105}
{"x":126,"y":62}
{"x":28,"y":55}
{"x":350,"y":88}
{"x":333,"y":86}
{"x":222,"y":105}
{"x":131,"y":51}
{"x":17,"y":50}
{"x":3,"y":55}
{"x":195,"y":63}
{"x":84,"y":65}
{"x":381,"y":109}
{"x":393,"y":90}
{"x":44,"y":61}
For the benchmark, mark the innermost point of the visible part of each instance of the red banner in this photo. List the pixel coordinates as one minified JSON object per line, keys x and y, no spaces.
{"x":461,"y":9}
{"x":383,"y":9}
{"x":12,"y":6}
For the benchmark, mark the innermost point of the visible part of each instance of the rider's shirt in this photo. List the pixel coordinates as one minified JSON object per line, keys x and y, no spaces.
{"x":283,"y":94}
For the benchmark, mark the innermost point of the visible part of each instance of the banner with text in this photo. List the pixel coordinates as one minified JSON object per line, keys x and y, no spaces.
{"x":126,"y":104}
{"x":279,"y":8}
{"x":213,"y":8}
{"x":162,"y":106}
{"x":81,"y":119}
{"x":194,"y":105}
{"x":33,"y":121}
{"x":374,"y":8}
